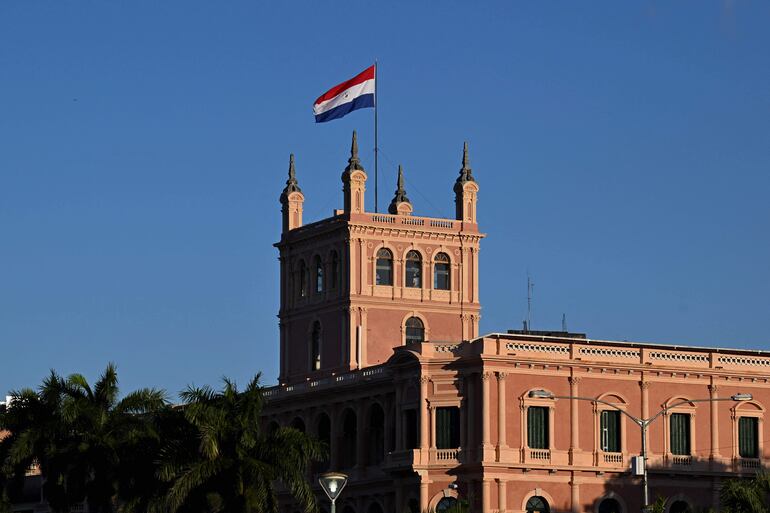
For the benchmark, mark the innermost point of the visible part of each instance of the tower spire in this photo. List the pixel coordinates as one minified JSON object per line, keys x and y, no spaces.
{"x":354,"y":162}
{"x":400,"y":203}
{"x":466,"y":173}
{"x":291,"y":184}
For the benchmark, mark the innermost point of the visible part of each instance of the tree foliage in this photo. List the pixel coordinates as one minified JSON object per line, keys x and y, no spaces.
{"x":136,"y":453}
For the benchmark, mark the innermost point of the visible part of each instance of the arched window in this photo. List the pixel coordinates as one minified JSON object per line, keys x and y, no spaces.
{"x":445,"y":504}
{"x":679,"y":507}
{"x":538,"y":504}
{"x":315,"y":347}
{"x":302,"y":279}
{"x":384,"y":267}
{"x":319,"y":275}
{"x":415,"y":330}
{"x":324,"y":433}
{"x":610,"y":506}
{"x":335,"y":270}
{"x":348,"y":456}
{"x":413,"y":269}
{"x":441,"y":272}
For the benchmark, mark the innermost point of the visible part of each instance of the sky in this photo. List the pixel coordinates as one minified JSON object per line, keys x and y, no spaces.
{"x":622,"y":151}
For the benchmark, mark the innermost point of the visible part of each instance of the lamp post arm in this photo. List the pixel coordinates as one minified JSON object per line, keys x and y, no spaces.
{"x":664,"y":410}
{"x":637,"y":420}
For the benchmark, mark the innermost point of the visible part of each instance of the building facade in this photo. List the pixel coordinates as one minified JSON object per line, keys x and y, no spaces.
{"x":381,"y":359}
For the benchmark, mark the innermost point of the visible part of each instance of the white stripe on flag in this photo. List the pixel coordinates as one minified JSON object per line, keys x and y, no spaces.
{"x":348,"y":95}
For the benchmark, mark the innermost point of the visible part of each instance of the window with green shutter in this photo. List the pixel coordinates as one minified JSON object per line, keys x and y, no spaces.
{"x":447,"y":428}
{"x":680,"y":433}
{"x":537,"y":427}
{"x":748,"y":437}
{"x":610,"y":431}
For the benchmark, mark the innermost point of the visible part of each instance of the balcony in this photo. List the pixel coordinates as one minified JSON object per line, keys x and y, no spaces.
{"x":613,"y":458}
{"x":539,"y":455}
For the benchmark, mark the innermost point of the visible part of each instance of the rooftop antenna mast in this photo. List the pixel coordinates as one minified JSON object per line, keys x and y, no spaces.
{"x":530,"y":290}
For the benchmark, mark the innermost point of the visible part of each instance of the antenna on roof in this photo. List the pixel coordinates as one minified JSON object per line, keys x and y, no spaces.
{"x":564,"y":322}
{"x":530,"y":290}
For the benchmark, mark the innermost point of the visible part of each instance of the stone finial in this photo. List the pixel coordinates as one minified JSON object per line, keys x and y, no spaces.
{"x":354,"y":163}
{"x":397,"y":205}
{"x":291,"y":184}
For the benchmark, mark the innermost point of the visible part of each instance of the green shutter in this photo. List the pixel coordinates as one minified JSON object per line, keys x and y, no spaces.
{"x":610,"y":426}
{"x":537,"y":427}
{"x":680,"y":434}
{"x":748,"y":437}
{"x":447,"y":428}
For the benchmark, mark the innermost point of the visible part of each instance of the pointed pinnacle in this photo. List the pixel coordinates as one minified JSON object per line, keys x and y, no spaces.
{"x":292,"y":175}
{"x":400,"y":183}
{"x":354,"y":162}
{"x":466,"y":173}
{"x":466,"y":161}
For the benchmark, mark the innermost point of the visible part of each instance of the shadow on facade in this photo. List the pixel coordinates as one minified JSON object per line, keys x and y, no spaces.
{"x":691,"y":485}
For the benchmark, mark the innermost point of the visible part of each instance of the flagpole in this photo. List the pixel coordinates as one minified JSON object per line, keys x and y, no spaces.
{"x":375,"y":136}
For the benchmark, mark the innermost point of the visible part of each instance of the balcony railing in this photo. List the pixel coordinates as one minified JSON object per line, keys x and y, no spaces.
{"x":613,"y":457}
{"x":540,"y":455}
{"x":447,"y":454}
{"x":750,"y":463}
{"x":685,"y":461}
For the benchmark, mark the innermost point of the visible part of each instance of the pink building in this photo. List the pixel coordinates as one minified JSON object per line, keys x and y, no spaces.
{"x":382,"y":359}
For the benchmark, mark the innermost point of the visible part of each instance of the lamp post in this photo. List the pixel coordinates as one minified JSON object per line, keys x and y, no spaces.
{"x":333,"y":483}
{"x":642,"y":423}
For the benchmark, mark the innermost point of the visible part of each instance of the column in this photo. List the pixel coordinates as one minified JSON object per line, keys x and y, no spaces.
{"x":713,"y":394}
{"x":485,"y":408}
{"x":424,"y":498}
{"x":574,"y":494}
{"x":432,"y":412}
{"x":645,"y":386}
{"x":574,"y":438}
{"x":502,"y":502}
{"x":502,"y":444}
{"x":485,"y":498}
{"x":463,"y":413}
{"x":471,"y":405}
{"x":424,"y":419}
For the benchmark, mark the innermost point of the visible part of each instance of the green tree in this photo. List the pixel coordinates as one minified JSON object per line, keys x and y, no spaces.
{"x":231,"y":463}
{"x":743,"y":495}
{"x":79,"y":436}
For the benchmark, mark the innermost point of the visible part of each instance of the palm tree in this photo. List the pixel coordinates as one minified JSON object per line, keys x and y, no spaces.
{"x":79,"y":437}
{"x":743,"y":495}
{"x":231,"y":463}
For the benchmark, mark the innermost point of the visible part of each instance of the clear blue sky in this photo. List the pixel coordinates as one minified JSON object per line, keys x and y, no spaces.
{"x":622,"y":150}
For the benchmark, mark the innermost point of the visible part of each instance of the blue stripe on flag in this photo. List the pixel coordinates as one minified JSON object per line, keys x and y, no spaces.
{"x":361,"y":102}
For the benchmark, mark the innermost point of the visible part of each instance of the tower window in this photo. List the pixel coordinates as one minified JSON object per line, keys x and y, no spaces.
{"x":319,"y":275}
{"x":441,"y":272}
{"x":413,"y":269}
{"x":384,"y":267}
{"x":302,"y":279}
{"x":335,"y":270}
{"x":415,"y":330}
{"x":315,"y":347}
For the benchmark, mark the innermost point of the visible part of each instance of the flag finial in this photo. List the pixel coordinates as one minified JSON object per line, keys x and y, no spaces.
{"x":354,"y":162}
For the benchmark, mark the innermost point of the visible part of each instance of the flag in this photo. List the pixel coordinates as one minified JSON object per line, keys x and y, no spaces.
{"x":356,"y":93}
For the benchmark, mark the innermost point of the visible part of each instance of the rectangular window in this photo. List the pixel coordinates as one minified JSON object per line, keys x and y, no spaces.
{"x":680,"y":434}
{"x":748,"y":437}
{"x":610,"y":431}
{"x":537,"y":427}
{"x":447,"y":428}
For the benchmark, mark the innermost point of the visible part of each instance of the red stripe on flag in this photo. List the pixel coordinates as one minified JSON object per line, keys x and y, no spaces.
{"x":367,"y":74}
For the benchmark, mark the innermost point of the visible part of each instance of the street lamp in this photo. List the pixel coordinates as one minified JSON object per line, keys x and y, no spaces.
{"x":333,"y":483}
{"x":642,"y":423}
